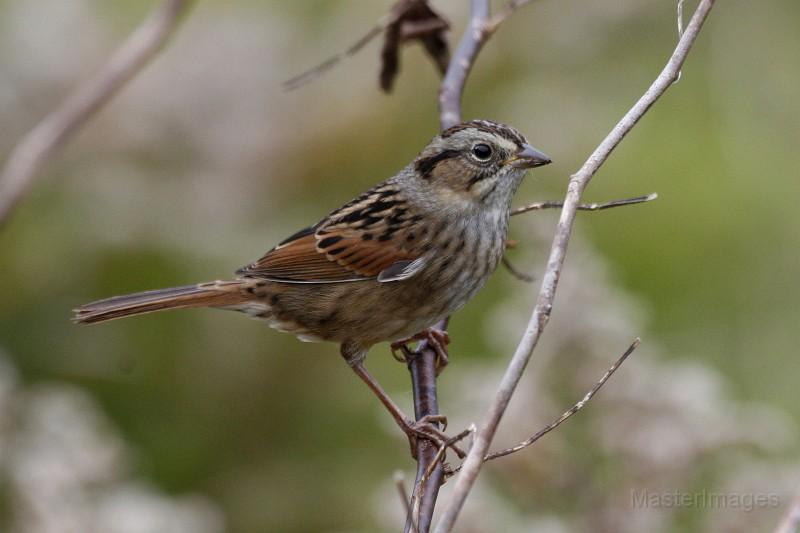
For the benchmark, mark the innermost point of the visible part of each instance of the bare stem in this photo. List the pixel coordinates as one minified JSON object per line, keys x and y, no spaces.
{"x":541,"y":313}
{"x":517,"y":273}
{"x":571,"y":411}
{"x":460,"y":65}
{"x":551,"y":204}
{"x":44,"y":140}
{"x":317,"y":70}
{"x":422,"y":366}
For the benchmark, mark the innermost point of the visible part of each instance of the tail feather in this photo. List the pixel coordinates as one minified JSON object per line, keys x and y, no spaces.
{"x":213,"y":294}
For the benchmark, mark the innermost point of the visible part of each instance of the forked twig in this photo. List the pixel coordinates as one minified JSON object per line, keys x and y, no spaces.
{"x":438,"y":459}
{"x":541,"y":313}
{"x":44,"y":140}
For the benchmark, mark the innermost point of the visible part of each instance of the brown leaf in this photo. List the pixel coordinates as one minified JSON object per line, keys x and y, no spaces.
{"x":412,"y":20}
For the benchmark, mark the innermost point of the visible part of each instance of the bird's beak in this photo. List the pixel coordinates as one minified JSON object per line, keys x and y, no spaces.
{"x":529,"y":157}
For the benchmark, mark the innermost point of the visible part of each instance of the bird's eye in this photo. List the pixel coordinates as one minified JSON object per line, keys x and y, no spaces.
{"x":482,"y":152}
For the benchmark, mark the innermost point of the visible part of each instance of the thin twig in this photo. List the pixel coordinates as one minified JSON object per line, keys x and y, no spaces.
{"x":44,"y":140}
{"x":406,"y":20}
{"x":541,"y":313}
{"x":551,"y":204}
{"x":571,"y":411}
{"x":400,"y":485}
{"x":517,"y":273}
{"x":316,"y":71}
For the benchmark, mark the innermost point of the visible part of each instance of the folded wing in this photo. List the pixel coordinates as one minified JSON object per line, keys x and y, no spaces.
{"x":377,"y":235}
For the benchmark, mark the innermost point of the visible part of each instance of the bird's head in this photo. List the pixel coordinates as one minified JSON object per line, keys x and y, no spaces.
{"x":478,"y":161}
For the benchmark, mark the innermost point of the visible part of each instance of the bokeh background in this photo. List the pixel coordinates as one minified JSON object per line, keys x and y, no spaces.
{"x":204,"y":421}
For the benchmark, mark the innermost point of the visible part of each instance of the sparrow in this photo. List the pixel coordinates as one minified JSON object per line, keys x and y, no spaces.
{"x":385,"y":266}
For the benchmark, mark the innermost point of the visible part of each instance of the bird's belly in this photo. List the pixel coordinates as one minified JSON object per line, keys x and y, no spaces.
{"x":369,"y":312}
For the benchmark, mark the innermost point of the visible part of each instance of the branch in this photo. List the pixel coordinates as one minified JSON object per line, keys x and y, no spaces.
{"x":407,"y":20}
{"x":318,"y":70}
{"x":44,"y":140}
{"x":435,"y":465}
{"x":423,"y":367}
{"x":541,"y":313}
{"x":456,"y":76}
{"x":571,"y":411}
{"x":584,"y":207}
{"x":517,"y":273}
{"x":550,"y":204}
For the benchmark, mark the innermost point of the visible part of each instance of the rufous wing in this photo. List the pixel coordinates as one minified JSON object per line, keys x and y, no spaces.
{"x":372,"y":236}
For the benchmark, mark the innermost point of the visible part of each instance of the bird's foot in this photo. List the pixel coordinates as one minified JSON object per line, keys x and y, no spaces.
{"x":426,"y":428}
{"x":436,"y":338}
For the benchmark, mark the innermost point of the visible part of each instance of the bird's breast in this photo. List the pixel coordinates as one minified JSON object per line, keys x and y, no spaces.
{"x":463,"y":257}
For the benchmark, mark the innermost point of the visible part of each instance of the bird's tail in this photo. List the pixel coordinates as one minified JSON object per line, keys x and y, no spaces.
{"x":213,"y":294}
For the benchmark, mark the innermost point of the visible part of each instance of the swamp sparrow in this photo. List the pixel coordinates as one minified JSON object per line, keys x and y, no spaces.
{"x":386,"y":265}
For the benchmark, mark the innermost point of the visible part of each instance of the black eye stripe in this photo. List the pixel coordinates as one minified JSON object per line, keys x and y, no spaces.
{"x":426,"y":165}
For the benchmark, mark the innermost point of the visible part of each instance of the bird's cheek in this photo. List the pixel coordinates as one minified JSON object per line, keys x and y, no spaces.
{"x":484,"y":188}
{"x":451,"y":172}
{"x":455,"y":199}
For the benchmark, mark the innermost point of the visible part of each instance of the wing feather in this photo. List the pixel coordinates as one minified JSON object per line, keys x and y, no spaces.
{"x":359,"y":241}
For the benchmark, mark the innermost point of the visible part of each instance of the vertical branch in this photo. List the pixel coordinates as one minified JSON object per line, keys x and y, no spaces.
{"x":544,"y":304}
{"x":460,"y":65}
{"x":44,"y":140}
{"x":423,"y":381}
{"x":423,"y":365}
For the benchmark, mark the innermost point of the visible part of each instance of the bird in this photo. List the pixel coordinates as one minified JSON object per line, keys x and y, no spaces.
{"x":386,"y":265}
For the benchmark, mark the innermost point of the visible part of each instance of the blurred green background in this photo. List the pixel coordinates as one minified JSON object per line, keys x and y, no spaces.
{"x":203,"y":162}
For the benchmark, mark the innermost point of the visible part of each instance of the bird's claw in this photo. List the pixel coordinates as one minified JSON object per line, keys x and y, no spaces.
{"x":436,"y":338}
{"x":426,"y":428}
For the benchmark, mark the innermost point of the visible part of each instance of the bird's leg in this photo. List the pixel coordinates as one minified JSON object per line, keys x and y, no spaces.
{"x":438,"y":340}
{"x":423,"y":428}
